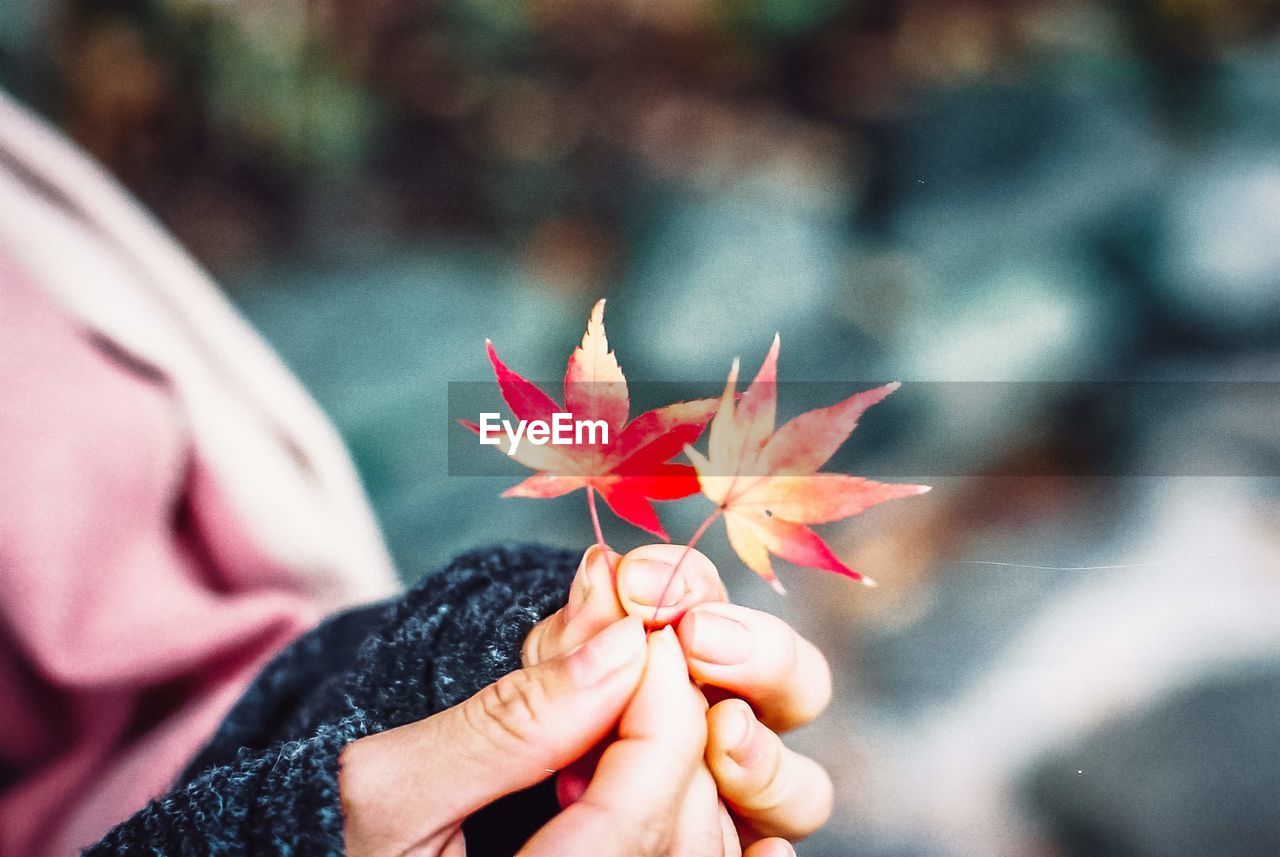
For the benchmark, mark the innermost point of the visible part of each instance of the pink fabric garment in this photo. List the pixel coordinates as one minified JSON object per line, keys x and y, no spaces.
{"x":133,"y":608}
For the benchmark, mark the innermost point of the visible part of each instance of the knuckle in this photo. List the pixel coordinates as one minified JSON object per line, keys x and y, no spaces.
{"x":795,"y":805}
{"x":653,"y":837}
{"x":508,"y":710}
{"x":649,"y":835}
{"x":768,"y":786}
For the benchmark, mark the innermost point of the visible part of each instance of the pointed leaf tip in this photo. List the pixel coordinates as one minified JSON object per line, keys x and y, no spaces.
{"x":632,"y":462}
{"x":594,"y":385}
{"x":869,"y":582}
{"x":777,"y":586}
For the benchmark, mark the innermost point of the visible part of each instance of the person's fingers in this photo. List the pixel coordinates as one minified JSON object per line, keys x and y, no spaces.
{"x":505,"y":738}
{"x":609,"y":586}
{"x":759,"y":657}
{"x":592,"y":606}
{"x":648,"y":589}
{"x":774,"y":790}
{"x":454,"y":846}
{"x":573,"y":779}
{"x":631,"y":804}
{"x":704,"y":826}
{"x":770,"y":848}
{"x":700,"y":831}
{"x":729,"y":831}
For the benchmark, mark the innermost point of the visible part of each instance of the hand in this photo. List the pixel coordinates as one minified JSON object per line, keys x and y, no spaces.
{"x":408,"y":789}
{"x":637,"y":799}
{"x":777,"y":674}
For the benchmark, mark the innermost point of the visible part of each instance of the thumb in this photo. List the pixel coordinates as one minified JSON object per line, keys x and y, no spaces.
{"x":632,"y":804}
{"x":509,"y":736}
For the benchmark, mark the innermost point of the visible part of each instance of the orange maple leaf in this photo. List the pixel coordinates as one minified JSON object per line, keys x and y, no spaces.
{"x":633,"y":467}
{"x":764,"y":482}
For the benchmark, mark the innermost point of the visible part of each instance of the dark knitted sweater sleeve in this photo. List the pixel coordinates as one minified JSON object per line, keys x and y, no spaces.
{"x":267,"y":783}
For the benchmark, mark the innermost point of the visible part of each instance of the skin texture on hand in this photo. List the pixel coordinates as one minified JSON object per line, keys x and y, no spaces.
{"x":408,"y":789}
{"x":781,"y":679}
{"x":651,"y":769}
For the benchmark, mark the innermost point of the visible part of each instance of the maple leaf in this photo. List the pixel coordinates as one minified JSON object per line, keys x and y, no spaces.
{"x":633,"y":468}
{"x":764,"y":482}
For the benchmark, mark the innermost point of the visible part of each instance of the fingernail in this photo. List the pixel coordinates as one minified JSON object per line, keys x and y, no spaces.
{"x":580,"y":589}
{"x":666,"y":639}
{"x":716,"y":639}
{"x":736,"y":728}
{"x":746,"y":749}
{"x":615,"y":647}
{"x":646,"y":582}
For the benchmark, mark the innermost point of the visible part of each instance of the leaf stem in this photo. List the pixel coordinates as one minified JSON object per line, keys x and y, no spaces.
{"x":693,"y":540}
{"x":595,"y":517}
{"x":595,"y":524}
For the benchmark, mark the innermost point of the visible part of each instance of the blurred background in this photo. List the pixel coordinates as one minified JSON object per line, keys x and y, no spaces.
{"x":1060,"y":660}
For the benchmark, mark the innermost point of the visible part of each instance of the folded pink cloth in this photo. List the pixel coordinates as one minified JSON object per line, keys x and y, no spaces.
{"x":134,"y":608}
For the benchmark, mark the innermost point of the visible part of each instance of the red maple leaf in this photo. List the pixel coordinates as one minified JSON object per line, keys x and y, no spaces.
{"x":633,"y":467}
{"x":764,"y":481}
